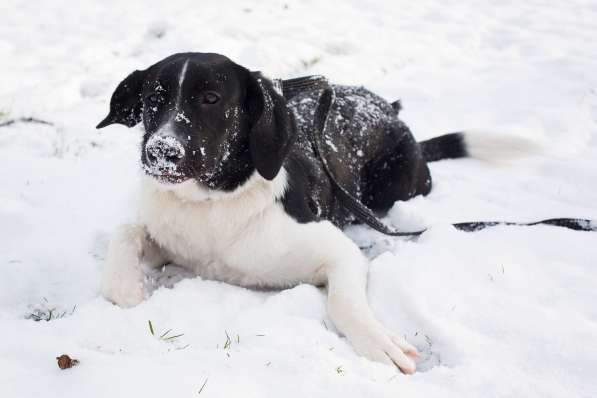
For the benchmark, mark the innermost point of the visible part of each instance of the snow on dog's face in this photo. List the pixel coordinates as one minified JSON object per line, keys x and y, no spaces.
{"x":205,"y":118}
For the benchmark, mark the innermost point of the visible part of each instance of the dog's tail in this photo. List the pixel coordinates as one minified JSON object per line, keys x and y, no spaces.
{"x":485,"y":146}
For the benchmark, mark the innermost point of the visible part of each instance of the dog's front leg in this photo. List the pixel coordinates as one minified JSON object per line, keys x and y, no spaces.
{"x":122,"y":279}
{"x":346,"y":273}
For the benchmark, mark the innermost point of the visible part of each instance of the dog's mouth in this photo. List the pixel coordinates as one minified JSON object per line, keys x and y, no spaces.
{"x":168,"y":178}
{"x":167,"y":172}
{"x":165,"y":175}
{"x":171,"y":174}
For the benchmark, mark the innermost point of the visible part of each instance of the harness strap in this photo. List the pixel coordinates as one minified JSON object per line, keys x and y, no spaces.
{"x":292,"y":87}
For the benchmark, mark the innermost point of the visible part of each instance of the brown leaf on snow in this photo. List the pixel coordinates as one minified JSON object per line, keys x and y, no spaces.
{"x":65,"y":362}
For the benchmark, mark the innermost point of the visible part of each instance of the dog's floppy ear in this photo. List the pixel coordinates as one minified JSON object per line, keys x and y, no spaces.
{"x":272,"y":126}
{"x":126,"y":104}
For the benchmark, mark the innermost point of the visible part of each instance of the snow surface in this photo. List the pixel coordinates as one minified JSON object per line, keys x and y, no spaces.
{"x":506,"y":312}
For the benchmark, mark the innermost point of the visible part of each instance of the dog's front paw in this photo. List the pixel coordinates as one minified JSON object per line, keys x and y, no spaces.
{"x":123,"y":291}
{"x":122,"y":280}
{"x":379,"y":345}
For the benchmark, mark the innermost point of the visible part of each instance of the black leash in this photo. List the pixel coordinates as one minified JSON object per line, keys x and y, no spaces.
{"x":25,"y":120}
{"x":292,"y":87}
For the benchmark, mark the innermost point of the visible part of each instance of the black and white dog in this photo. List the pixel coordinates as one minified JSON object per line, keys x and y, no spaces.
{"x":235,"y":192}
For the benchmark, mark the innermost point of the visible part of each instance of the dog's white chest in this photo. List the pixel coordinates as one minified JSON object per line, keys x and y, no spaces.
{"x":189,"y":232}
{"x":226,"y":239}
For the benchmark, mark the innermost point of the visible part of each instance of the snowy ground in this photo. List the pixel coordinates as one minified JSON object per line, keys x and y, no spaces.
{"x":507,"y":312}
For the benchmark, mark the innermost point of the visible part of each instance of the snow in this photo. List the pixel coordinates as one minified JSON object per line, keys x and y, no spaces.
{"x":502,"y":312}
{"x":181,"y":116}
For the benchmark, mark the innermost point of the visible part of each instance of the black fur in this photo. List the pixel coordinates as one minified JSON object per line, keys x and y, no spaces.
{"x":447,"y":146}
{"x":273,"y":128}
{"x":232,"y":122}
{"x":370,"y":151}
{"x":126,"y":103}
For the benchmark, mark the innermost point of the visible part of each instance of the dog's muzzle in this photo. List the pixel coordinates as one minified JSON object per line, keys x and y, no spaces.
{"x":163,"y":154}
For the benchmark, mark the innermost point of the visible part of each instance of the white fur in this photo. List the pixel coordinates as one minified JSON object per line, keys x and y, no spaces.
{"x":496,"y":148}
{"x":181,"y":77}
{"x":245,"y":237}
{"x":123,"y":273}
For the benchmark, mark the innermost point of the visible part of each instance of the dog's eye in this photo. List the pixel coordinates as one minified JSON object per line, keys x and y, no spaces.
{"x":211,"y":97}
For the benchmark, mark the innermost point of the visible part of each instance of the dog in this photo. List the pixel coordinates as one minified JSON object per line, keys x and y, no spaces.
{"x":234,"y":190}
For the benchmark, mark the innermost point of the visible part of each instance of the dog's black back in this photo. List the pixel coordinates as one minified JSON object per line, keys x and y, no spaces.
{"x":367,"y":147}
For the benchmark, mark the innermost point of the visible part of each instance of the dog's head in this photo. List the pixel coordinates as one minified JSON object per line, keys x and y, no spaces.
{"x":205,"y":118}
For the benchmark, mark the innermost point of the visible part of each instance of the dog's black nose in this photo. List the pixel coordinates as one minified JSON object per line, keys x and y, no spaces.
{"x":164,"y":149}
